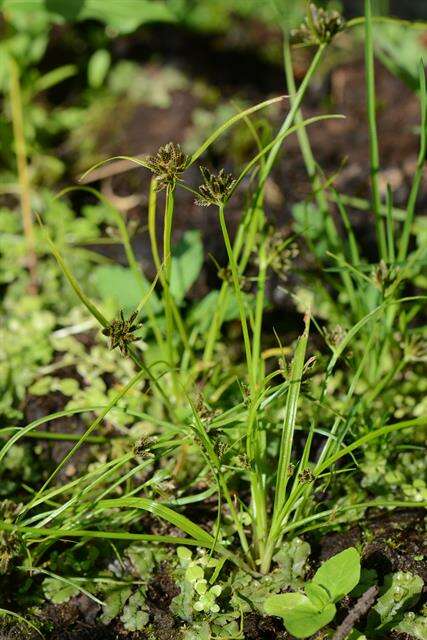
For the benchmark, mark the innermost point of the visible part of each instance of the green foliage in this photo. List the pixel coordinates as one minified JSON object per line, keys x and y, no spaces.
{"x":413,"y":625}
{"x":301,"y":616}
{"x":226,"y":416}
{"x":98,"y":67}
{"x":114,"y":603}
{"x":399,"y":593}
{"x":187,"y":261}
{"x":58,"y":591}
{"x":340,"y":574}
{"x":123,"y":17}
{"x":304,"y":614}
{"x":135,"y":612}
{"x":196,"y":595}
{"x":400,"y":50}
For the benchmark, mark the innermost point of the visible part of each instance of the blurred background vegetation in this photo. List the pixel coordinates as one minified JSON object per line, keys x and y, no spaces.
{"x":123,"y":77}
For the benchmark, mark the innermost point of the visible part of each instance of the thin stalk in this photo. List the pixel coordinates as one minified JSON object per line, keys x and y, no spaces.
{"x":410,"y":208}
{"x":373,"y":136}
{"x":152,"y":208}
{"x":390,"y":226}
{"x":257,"y":361}
{"x":24,"y":180}
{"x":352,"y":242}
{"x":255,"y":439}
{"x":238,"y":293}
{"x":306,"y":150}
{"x":129,"y":252}
{"x":245,"y":241}
{"x":281,"y":502}
{"x":167,"y":260}
{"x":289,"y":119}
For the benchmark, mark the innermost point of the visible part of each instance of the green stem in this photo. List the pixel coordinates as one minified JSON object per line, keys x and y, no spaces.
{"x":257,"y":362}
{"x":167,"y":260}
{"x":410,"y":209}
{"x":152,"y":208}
{"x":246,"y":234}
{"x":373,"y":136}
{"x":238,"y":293}
{"x":307,"y":153}
{"x":24,"y":180}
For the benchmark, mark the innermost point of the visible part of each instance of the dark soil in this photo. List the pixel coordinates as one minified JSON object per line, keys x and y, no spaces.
{"x":390,"y":542}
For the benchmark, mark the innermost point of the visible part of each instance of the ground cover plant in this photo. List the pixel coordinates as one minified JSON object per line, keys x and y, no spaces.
{"x":204,"y":467}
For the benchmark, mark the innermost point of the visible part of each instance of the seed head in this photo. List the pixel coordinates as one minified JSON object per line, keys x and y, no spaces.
{"x":281,"y":252}
{"x":306,"y":476}
{"x":167,"y":165}
{"x":225,"y":274}
{"x":142,"y":447}
{"x":11,"y":545}
{"x":120,"y":332}
{"x":319,"y":26}
{"x":384,"y":276}
{"x":335,"y":335}
{"x":216,"y":189}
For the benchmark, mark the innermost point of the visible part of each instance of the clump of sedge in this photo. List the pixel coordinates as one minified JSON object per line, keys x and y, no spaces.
{"x":120,"y":332}
{"x":281,"y":252}
{"x":319,"y":26}
{"x":216,"y":189}
{"x":167,"y":165}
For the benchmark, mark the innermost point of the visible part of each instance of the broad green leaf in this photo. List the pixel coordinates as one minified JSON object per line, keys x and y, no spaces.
{"x":187,"y":261}
{"x":300,"y":616}
{"x":317,"y":594}
{"x":201,"y":313}
{"x":123,"y":16}
{"x":120,"y":284}
{"x":283,"y":603}
{"x":340,"y":574}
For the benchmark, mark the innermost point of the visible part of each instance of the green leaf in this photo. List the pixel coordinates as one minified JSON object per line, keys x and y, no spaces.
{"x":187,"y":261}
{"x":400,"y":591}
{"x":120,"y":285}
{"x":300,"y":616}
{"x":340,"y":574}
{"x":317,"y":594}
{"x":54,"y":77}
{"x":160,"y":510}
{"x":292,"y":560}
{"x":114,"y":603}
{"x":135,"y":615}
{"x":123,"y":16}
{"x":58,"y":591}
{"x":98,"y":66}
{"x":415,"y":626}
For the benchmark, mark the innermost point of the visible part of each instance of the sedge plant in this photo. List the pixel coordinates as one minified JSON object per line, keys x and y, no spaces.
{"x":268,"y":438}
